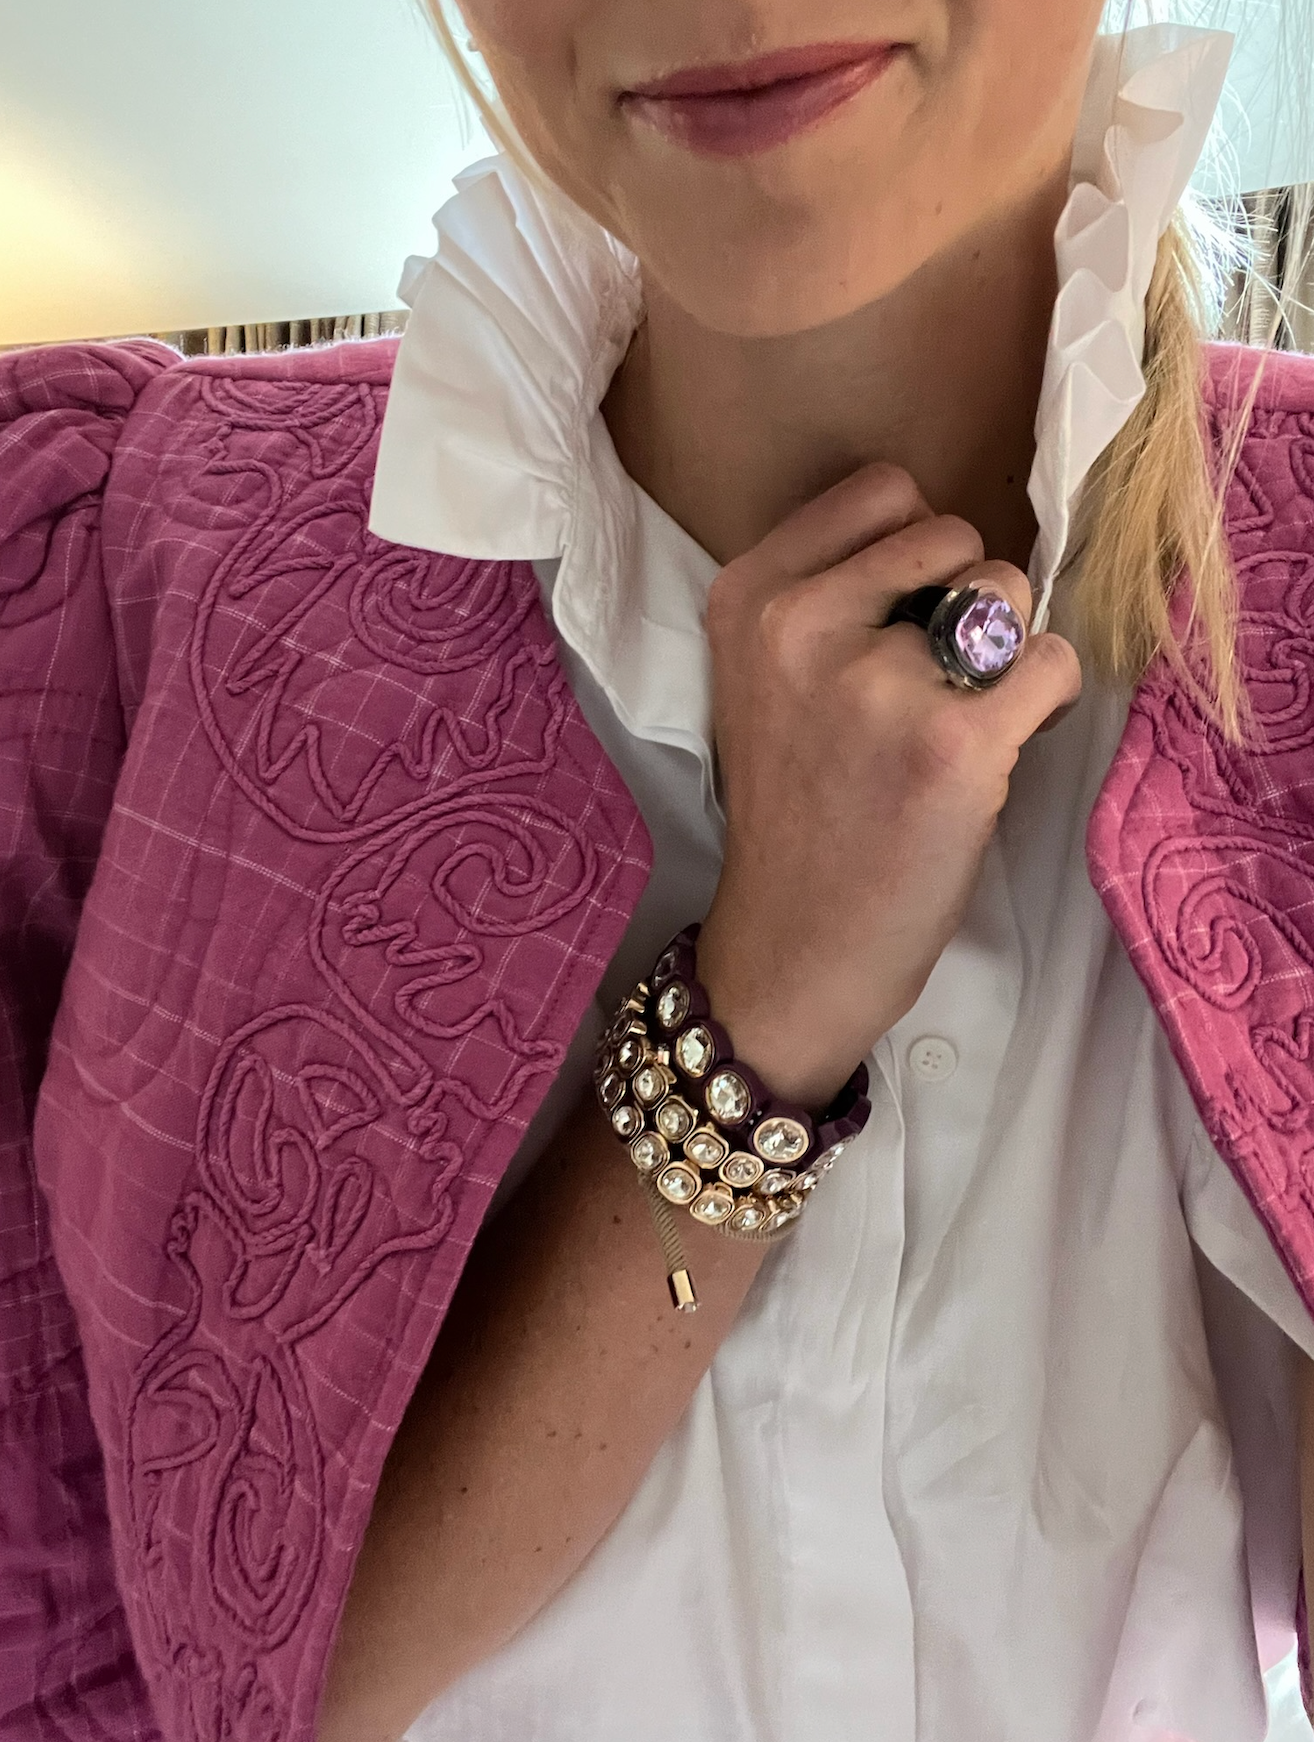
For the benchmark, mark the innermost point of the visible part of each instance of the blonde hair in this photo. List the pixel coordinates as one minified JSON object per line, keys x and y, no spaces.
{"x":1152,"y":516}
{"x":1153,"y":512}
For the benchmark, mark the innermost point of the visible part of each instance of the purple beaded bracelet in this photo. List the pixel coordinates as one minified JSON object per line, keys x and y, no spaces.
{"x":702,"y":1129}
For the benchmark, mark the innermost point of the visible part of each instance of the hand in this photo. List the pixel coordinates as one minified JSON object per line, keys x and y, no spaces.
{"x":861,"y":789}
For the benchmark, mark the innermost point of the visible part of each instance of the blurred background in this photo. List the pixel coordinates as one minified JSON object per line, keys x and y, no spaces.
{"x":234,"y":174}
{"x":249,"y":174}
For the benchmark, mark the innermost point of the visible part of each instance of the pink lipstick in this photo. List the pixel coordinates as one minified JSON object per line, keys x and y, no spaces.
{"x":749,"y":106}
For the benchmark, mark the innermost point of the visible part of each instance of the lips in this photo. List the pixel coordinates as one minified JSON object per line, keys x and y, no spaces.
{"x":751,"y":106}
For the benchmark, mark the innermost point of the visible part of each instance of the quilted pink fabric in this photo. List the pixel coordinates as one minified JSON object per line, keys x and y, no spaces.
{"x":1203,"y":852}
{"x":364,"y":867}
{"x":358,"y":865}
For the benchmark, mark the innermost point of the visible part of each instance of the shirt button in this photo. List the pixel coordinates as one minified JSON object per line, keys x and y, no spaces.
{"x":932,"y":1059}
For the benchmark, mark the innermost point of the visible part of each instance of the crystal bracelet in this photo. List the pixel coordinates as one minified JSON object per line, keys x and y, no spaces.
{"x":702,"y":1129}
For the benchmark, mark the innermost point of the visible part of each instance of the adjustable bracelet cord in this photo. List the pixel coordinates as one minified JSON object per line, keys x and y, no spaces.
{"x":684,"y":1296}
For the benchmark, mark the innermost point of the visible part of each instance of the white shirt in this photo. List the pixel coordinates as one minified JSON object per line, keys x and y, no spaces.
{"x":1002,"y":1447}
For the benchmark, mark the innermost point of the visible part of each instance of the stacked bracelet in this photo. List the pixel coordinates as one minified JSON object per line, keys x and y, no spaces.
{"x":703,"y":1131}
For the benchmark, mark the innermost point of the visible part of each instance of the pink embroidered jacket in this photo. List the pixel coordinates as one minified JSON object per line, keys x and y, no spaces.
{"x":308,"y":869}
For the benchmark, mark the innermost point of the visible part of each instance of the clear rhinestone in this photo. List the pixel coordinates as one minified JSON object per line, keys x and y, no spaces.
{"x":606,"y":1061}
{"x":650,"y":1152}
{"x":728,"y":1098}
{"x":650,"y":1084}
{"x":706,"y":1148}
{"x":748,"y":1218}
{"x":610,"y":1089}
{"x":678,"y":1184}
{"x":630,"y":1053}
{"x":667,"y":964}
{"x":673,"y":1005}
{"x":627,"y":1121}
{"x":809,"y":1181}
{"x":781,"y":1140}
{"x":675,"y":1119}
{"x":695,"y":1051}
{"x":714,"y":1205}
{"x":741,"y":1169}
{"x":784,"y":1211}
{"x":829,"y":1157}
{"x":774,"y":1181}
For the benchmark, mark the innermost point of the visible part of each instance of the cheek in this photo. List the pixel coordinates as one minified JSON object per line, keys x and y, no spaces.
{"x":1020,"y":69}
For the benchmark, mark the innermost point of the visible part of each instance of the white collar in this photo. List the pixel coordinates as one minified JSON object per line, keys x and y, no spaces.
{"x":493,"y":445}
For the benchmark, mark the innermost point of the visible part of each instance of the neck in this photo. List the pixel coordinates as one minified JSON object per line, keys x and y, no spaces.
{"x":942,"y":377}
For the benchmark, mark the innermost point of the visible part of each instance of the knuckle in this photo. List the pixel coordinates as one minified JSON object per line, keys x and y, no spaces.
{"x":944,"y":545}
{"x":960,"y":535}
{"x":787,"y":623}
{"x":895,"y":489}
{"x":944,"y":743}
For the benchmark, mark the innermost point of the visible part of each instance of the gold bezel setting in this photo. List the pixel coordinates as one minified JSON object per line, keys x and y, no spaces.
{"x":694,"y":1123}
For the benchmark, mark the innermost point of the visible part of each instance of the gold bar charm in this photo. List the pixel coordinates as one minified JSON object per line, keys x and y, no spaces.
{"x":683,"y":1296}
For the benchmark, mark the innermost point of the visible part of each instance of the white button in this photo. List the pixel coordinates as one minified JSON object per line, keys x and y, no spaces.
{"x":932,"y":1059}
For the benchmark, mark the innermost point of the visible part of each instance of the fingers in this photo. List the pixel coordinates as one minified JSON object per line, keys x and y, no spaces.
{"x":876,"y":501}
{"x":1045,"y":681}
{"x":940,"y":551}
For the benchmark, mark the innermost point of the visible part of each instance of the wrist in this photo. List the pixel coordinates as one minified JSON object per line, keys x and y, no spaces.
{"x":802,"y":1055}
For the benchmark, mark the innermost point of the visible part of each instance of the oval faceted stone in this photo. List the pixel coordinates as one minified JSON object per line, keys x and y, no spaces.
{"x":714,"y":1205}
{"x":706,"y":1148}
{"x":773,"y":1182}
{"x":667,"y":963}
{"x":650,"y":1084}
{"x":989,"y":635}
{"x":748,"y":1219}
{"x":741,"y":1169}
{"x":781,"y":1140}
{"x":627,"y":1121}
{"x":783,"y":1211}
{"x":675,"y":1119}
{"x":728,"y":1098}
{"x":679,"y":1184}
{"x":650,"y":1152}
{"x":673,"y":1005}
{"x":695,"y":1050}
{"x":611,"y":1088}
{"x":629,"y":1054}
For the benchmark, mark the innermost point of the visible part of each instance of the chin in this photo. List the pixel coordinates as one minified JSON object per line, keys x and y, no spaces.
{"x":771,"y":282}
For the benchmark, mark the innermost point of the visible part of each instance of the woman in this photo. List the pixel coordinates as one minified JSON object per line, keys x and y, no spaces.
{"x":1001,"y":1441}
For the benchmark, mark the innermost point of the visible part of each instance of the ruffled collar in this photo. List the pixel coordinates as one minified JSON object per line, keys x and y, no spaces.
{"x":493,"y":444}
{"x":1149,"y":104}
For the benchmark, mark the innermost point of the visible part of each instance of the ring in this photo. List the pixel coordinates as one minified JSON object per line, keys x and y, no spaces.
{"x":977,"y":637}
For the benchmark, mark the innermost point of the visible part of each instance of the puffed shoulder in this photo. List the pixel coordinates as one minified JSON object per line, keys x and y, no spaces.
{"x":62,"y":408}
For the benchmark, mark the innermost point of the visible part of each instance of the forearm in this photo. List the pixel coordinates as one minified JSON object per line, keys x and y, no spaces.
{"x":560,"y":1370}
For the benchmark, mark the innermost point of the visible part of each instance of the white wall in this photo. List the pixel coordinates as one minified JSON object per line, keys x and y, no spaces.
{"x":184,"y":163}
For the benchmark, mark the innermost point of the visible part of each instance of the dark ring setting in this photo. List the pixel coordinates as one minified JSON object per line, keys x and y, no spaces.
{"x":977,"y":637}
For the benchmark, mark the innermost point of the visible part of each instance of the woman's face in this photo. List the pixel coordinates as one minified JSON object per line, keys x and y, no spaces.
{"x":776,"y":164}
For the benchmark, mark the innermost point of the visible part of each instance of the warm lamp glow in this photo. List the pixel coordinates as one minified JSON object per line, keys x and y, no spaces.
{"x":167,"y":166}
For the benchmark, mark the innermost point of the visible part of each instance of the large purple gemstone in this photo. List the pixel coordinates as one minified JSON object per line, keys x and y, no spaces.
{"x":989,"y":635}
